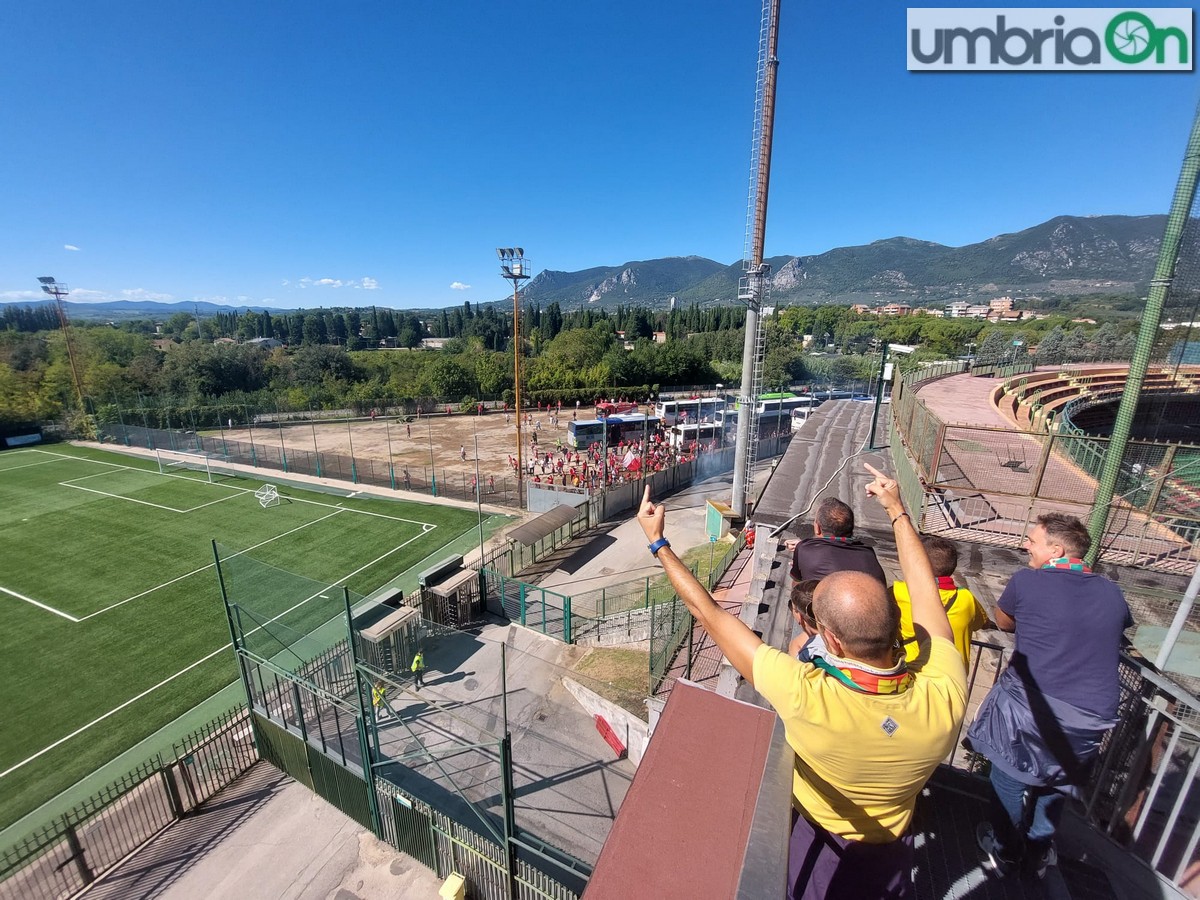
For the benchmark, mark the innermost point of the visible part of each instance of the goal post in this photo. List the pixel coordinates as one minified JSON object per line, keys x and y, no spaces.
{"x":175,"y":462}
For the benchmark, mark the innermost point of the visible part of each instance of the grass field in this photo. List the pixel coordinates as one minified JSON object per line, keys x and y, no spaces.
{"x":111,"y":621}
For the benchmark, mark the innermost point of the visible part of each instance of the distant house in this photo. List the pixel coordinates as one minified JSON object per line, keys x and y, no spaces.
{"x":224,"y":340}
{"x":433,"y":343}
{"x":164,"y":344}
{"x":660,"y":337}
{"x":265,"y":343}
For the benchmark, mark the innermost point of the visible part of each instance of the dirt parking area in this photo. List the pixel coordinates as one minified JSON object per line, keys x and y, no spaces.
{"x":440,"y":440}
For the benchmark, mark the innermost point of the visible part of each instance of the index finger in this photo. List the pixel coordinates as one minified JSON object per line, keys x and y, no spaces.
{"x":646,"y":495}
{"x":874,"y":471}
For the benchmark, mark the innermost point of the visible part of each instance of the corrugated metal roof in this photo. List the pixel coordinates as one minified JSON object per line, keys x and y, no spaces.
{"x":547,"y":523}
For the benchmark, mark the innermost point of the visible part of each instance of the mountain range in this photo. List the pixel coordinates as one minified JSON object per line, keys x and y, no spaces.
{"x":1068,"y":255}
{"x":1064,"y":256}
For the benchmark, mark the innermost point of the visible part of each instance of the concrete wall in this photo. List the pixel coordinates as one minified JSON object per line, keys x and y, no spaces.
{"x":541,"y":499}
{"x":629,"y":728}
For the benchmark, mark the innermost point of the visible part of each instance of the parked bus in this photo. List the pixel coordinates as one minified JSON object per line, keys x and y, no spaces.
{"x":682,"y":436}
{"x":606,"y":408}
{"x":774,"y":410}
{"x":629,"y":427}
{"x":695,"y":409}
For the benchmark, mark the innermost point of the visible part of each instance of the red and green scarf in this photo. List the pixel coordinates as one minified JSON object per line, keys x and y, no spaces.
{"x":1068,"y":562}
{"x":863,"y":678}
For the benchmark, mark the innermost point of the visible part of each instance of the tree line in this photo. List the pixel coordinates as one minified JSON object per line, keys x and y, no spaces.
{"x":577,"y":354}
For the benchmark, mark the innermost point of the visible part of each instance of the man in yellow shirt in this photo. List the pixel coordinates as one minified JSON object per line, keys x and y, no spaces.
{"x":867,"y":733}
{"x":965,"y":613}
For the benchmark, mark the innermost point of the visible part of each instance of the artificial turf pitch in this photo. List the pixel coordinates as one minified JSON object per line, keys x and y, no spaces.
{"x":111,"y":620}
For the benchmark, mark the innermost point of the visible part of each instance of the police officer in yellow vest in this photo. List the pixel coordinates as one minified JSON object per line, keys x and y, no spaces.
{"x":418,"y":669}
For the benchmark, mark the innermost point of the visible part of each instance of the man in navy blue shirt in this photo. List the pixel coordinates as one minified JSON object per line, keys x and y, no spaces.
{"x":1042,"y":723}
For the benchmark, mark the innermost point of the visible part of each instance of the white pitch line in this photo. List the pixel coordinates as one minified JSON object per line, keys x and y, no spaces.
{"x":44,"y":462}
{"x":168,"y":680}
{"x":80,"y":487}
{"x":129,"y":499}
{"x":37,"y":604}
{"x":111,"y":712}
{"x":209,"y":566}
{"x":246,"y":476}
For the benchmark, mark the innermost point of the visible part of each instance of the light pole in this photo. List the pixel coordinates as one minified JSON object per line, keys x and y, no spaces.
{"x":515,"y":267}
{"x":58,"y":290}
{"x":478,"y":499}
{"x":391,"y":466}
{"x":432,"y":462}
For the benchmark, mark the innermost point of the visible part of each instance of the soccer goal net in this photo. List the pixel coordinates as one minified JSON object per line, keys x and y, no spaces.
{"x":267,"y":496}
{"x":177,"y":462}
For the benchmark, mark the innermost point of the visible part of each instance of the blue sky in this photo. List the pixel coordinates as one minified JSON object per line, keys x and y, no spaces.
{"x":342,"y":154}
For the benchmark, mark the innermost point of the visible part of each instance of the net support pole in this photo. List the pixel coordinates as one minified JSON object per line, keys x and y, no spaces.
{"x":233,"y":639}
{"x":1164,"y":272}
{"x":364,"y":739}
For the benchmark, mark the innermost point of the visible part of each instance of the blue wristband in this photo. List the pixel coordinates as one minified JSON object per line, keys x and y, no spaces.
{"x":658,"y":545}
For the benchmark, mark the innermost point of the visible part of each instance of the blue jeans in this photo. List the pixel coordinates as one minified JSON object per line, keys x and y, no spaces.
{"x":1024,"y":817}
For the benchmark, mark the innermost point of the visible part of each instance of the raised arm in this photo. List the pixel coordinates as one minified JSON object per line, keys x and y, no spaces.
{"x":730,"y":634}
{"x":927,"y":610}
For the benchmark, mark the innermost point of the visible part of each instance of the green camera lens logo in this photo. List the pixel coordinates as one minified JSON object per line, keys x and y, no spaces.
{"x":1131,"y":37}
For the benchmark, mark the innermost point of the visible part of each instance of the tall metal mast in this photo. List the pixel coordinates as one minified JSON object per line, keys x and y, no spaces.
{"x":753,"y":287}
{"x":58,"y":290}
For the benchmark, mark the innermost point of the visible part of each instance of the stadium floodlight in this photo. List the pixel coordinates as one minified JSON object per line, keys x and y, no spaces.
{"x":58,"y":290}
{"x":500,"y":253}
{"x":514,"y":267}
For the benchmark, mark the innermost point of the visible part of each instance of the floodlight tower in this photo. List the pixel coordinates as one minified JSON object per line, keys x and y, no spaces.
{"x":515,"y":267}
{"x":58,"y":290}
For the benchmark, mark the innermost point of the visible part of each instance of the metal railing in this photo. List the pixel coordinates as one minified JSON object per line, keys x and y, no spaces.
{"x":1142,"y":794}
{"x":987,"y":483}
{"x":64,"y":857}
{"x":673,"y":626}
{"x":1142,"y":791}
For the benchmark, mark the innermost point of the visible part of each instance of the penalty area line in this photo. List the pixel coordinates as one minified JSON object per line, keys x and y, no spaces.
{"x":51,"y":609}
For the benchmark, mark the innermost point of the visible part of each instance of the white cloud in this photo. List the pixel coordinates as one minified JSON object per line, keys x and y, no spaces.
{"x":143,"y":294}
{"x":459,"y":286}
{"x":86,"y":295}
{"x":9,"y":296}
{"x":70,"y":247}
{"x":365,"y":284}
